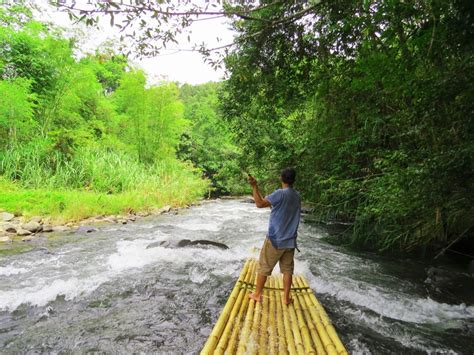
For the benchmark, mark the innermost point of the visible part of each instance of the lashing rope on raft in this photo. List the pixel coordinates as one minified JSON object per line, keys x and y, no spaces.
{"x":252,"y":286}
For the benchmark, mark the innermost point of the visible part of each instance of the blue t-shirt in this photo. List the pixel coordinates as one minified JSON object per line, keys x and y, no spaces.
{"x":284,"y":218}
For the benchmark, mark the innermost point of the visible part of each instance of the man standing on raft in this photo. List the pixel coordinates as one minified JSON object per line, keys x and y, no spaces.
{"x":280,"y":243}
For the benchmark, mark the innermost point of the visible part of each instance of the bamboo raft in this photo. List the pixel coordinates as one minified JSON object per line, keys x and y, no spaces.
{"x":271,"y":327}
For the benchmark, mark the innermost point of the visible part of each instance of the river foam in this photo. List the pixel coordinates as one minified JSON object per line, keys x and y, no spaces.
{"x":116,"y":287}
{"x":11,"y":270}
{"x":41,"y":294}
{"x":397,"y":306}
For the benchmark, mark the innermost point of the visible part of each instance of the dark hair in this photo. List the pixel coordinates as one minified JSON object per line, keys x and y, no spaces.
{"x":288,"y":175}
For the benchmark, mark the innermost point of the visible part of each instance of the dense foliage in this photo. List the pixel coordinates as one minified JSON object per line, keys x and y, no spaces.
{"x":372,"y":102}
{"x":208,"y":142}
{"x":90,"y":124}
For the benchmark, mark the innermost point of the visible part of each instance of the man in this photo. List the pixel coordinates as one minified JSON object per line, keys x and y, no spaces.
{"x":280,"y":244}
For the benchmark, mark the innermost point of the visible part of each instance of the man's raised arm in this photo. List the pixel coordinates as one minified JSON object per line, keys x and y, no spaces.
{"x":260,"y":202}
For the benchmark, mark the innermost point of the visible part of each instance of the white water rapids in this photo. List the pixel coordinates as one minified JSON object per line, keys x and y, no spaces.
{"x":106,"y":292}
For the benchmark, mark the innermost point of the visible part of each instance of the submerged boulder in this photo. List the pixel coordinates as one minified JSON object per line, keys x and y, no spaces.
{"x":449,"y":282}
{"x":61,"y":229}
{"x":86,"y":229}
{"x":183,"y":243}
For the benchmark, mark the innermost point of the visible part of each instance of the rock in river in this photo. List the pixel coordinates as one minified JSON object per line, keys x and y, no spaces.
{"x":10,"y":228}
{"x":86,"y":229}
{"x":47,"y":228}
{"x":164,"y":209}
{"x":23,"y":232}
{"x":32,"y":226}
{"x":61,"y":229}
{"x":36,"y":219}
{"x":182,"y":243}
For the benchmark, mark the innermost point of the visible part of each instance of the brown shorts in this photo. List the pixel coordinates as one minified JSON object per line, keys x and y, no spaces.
{"x":269,"y":256}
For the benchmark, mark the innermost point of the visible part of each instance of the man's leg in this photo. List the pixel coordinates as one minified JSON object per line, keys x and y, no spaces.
{"x":287,"y":279}
{"x":257,"y":295}
{"x":267,"y":261}
{"x":287,"y":265}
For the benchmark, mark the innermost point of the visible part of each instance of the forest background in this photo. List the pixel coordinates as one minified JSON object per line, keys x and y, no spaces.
{"x":89,"y":136}
{"x":371,"y":102}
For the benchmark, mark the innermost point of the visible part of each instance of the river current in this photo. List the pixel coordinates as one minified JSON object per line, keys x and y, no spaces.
{"x":106,"y":292}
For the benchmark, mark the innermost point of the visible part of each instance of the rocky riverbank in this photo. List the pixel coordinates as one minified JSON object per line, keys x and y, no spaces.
{"x":17,"y":231}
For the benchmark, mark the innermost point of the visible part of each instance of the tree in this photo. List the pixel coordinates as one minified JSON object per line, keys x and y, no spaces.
{"x":150,"y":26}
{"x":108,"y":67}
{"x":208,"y":141}
{"x":16,"y":112}
{"x":151,"y":118}
{"x":371,"y":102}
{"x":90,"y":123}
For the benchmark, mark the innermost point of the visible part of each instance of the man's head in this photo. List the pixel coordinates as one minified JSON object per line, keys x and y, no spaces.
{"x":288,"y":176}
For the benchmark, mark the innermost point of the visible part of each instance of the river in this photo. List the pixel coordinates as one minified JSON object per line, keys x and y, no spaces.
{"x":106,"y":292}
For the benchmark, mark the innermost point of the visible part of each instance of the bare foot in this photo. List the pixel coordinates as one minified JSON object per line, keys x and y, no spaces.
{"x":290,"y":301}
{"x":254,"y":297}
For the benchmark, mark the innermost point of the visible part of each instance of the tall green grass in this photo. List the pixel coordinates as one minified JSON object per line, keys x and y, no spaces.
{"x":91,"y":182}
{"x":34,"y":166}
{"x":71,"y":205}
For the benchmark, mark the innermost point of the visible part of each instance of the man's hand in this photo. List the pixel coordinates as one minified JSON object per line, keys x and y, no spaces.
{"x":260,"y":202}
{"x":252,"y":181}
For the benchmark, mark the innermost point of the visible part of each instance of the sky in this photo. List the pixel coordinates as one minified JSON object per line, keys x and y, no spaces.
{"x":189,"y":67}
{"x":170,"y":65}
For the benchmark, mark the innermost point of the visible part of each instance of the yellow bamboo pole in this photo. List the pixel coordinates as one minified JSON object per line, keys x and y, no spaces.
{"x":272,"y":342}
{"x":325,"y":339}
{"x":254,"y":335}
{"x":326,"y":323}
{"x":311,"y":317}
{"x":225,"y":314}
{"x":295,"y":328}
{"x":287,"y":324}
{"x":233,"y":341}
{"x":282,"y":348}
{"x":255,"y":327}
{"x":262,"y":344}
{"x":232,"y":345}
{"x":307,"y":342}
{"x":222,"y":344}
{"x":253,"y":270}
{"x":246,"y":329}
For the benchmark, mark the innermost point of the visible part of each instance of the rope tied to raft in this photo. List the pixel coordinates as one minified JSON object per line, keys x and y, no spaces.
{"x":249,"y":285}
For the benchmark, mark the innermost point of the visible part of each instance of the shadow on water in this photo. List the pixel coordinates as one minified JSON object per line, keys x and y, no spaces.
{"x":108,"y":292}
